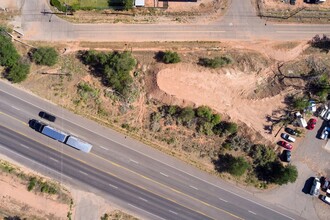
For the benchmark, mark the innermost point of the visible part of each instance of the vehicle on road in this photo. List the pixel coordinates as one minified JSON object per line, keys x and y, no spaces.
{"x":325,"y":133}
{"x":290,"y":131}
{"x":286,"y":156}
{"x":287,"y":137}
{"x":47,"y":116}
{"x":301,"y":121}
{"x":60,"y":136}
{"x":326,"y":199}
{"x":311,"y":123}
{"x":286,"y":145}
{"x":315,"y":189}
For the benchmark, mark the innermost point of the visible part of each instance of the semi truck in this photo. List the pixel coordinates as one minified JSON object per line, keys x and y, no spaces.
{"x":60,"y":136}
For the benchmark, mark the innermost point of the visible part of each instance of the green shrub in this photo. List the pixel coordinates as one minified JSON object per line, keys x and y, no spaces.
{"x":236,"y":166}
{"x":186,"y":115}
{"x":114,"y":68}
{"x":32,"y":183}
{"x":275,"y":172}
{"x":18,"y":72}
{"x":300,"y":103}
{"x":204,"y":112}
{"x":8,"y":54}
{"x":171,"y":57}
{"x":262,"y":155}
{"x":215,"y":62}
{"x":45,"y":56}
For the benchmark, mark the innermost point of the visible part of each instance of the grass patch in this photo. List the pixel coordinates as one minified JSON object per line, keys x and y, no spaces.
{"x":87,"y":3}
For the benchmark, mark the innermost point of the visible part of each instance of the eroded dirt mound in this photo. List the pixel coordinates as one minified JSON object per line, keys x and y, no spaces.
{"x":225,"y":90}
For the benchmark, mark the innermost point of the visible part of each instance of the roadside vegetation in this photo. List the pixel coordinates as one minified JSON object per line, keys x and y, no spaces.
{"x":44,"y":56}
{"x":114,"y":69}
{"x":117,"y":215}
{"x":16,"y":67}
{"x":216,"y":62}
{"x":168,"y":57}
{"x":35,"y":183}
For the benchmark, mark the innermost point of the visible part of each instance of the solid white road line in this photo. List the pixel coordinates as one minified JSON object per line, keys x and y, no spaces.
{"x":252,"y":212}
{"x":301,"y":32}
{"x":145,"y":211}
{"x":113,"y":186}
{"x":175,"y":168}
{"x":51,"y":170}
{"x":25,"y":146}
{"x":163,"y":174}
{"x":223,"y":200}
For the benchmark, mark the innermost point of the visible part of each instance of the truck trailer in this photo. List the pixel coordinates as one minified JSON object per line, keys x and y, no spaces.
{"x":60,"y":136}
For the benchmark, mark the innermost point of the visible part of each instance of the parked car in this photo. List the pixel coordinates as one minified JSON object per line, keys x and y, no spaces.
{"x":326,"y":199}
{"x":327,"y":116}
{"x":315,"y":189}
{"x":311,"y":123}
{"x":290,"y":131}
{"x":323,"y":111}
{"x":287,"y":137}
{"x":286,"y":145}
{"x":47,"y":116}
{"x":301,"y":121}
{"x":286,"y":156}
{"x":312,"y":106}
{"x":292,"y":2}
{"x":325,"y":133}
{"x":325,"y":184}
{"x":314,"y":1}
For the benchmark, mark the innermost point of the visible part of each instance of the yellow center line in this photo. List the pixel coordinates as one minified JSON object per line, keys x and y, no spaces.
{"x":140,"y":175}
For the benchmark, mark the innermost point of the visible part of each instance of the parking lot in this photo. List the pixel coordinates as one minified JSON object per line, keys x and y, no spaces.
{"x":311,"y":159}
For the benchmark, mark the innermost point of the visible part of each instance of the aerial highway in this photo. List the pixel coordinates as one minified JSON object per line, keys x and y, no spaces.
{"x":151,"y":176}
{"x":239,"y":23}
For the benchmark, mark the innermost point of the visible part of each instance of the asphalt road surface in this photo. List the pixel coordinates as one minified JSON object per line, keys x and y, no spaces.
{"x":146,"y":174}
{"x":239,"y":23}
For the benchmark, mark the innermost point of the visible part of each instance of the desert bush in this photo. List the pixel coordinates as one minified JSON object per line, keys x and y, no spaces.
{"x":18,"y":72}
{"x":113,"y":67}
{"x":322,"y":43}
{"x":8,"y":54}
{"x":171,"y":57}
{"x":205,"y":113}
{"x":47,"y":56}
{"x":233,"y":165}
{"x":186,"y":115}
{"x":262,"y":155}
{"x":215,"y":62}
{"x":275,"y":172}
{"x":32,"y":183}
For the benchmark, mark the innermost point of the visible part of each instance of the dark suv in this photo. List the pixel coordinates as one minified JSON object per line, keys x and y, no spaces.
{"x":47,"y":116}
{"x":292,"y":2}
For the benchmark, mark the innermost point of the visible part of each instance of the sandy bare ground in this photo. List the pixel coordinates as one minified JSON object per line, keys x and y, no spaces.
{"x":15,"y":198}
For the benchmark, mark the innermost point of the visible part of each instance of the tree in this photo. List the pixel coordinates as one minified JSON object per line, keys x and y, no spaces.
{"x":186,"y":115}
{"x":8,"y":54}
{"x":18,"y":72}
{"x":128,"y":4}
{"x":262,"y":155}
{"x":275,"y":172}
{"x":229,"y":127}
{"x":233,"y":165}
{"x":204,"y":112}
{"x":45,"y":56}
{"x":171,"y":57}
{"x":300,"y":103}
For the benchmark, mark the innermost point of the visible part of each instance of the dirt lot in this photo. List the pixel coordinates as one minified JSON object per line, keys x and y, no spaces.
{"x":300,"y":12}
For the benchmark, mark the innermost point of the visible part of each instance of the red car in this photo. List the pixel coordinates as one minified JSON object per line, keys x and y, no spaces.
{"x":311,"y":124}
{"x":286,"y":145}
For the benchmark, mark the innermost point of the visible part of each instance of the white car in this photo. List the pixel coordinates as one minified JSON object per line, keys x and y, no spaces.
{"x":326,"y":199}
{"x":315,"y":190}
{"x":323,"y":111}
{"x":288,"y":137}
{"x":327,"y":116}
{"x":325,"y":133}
